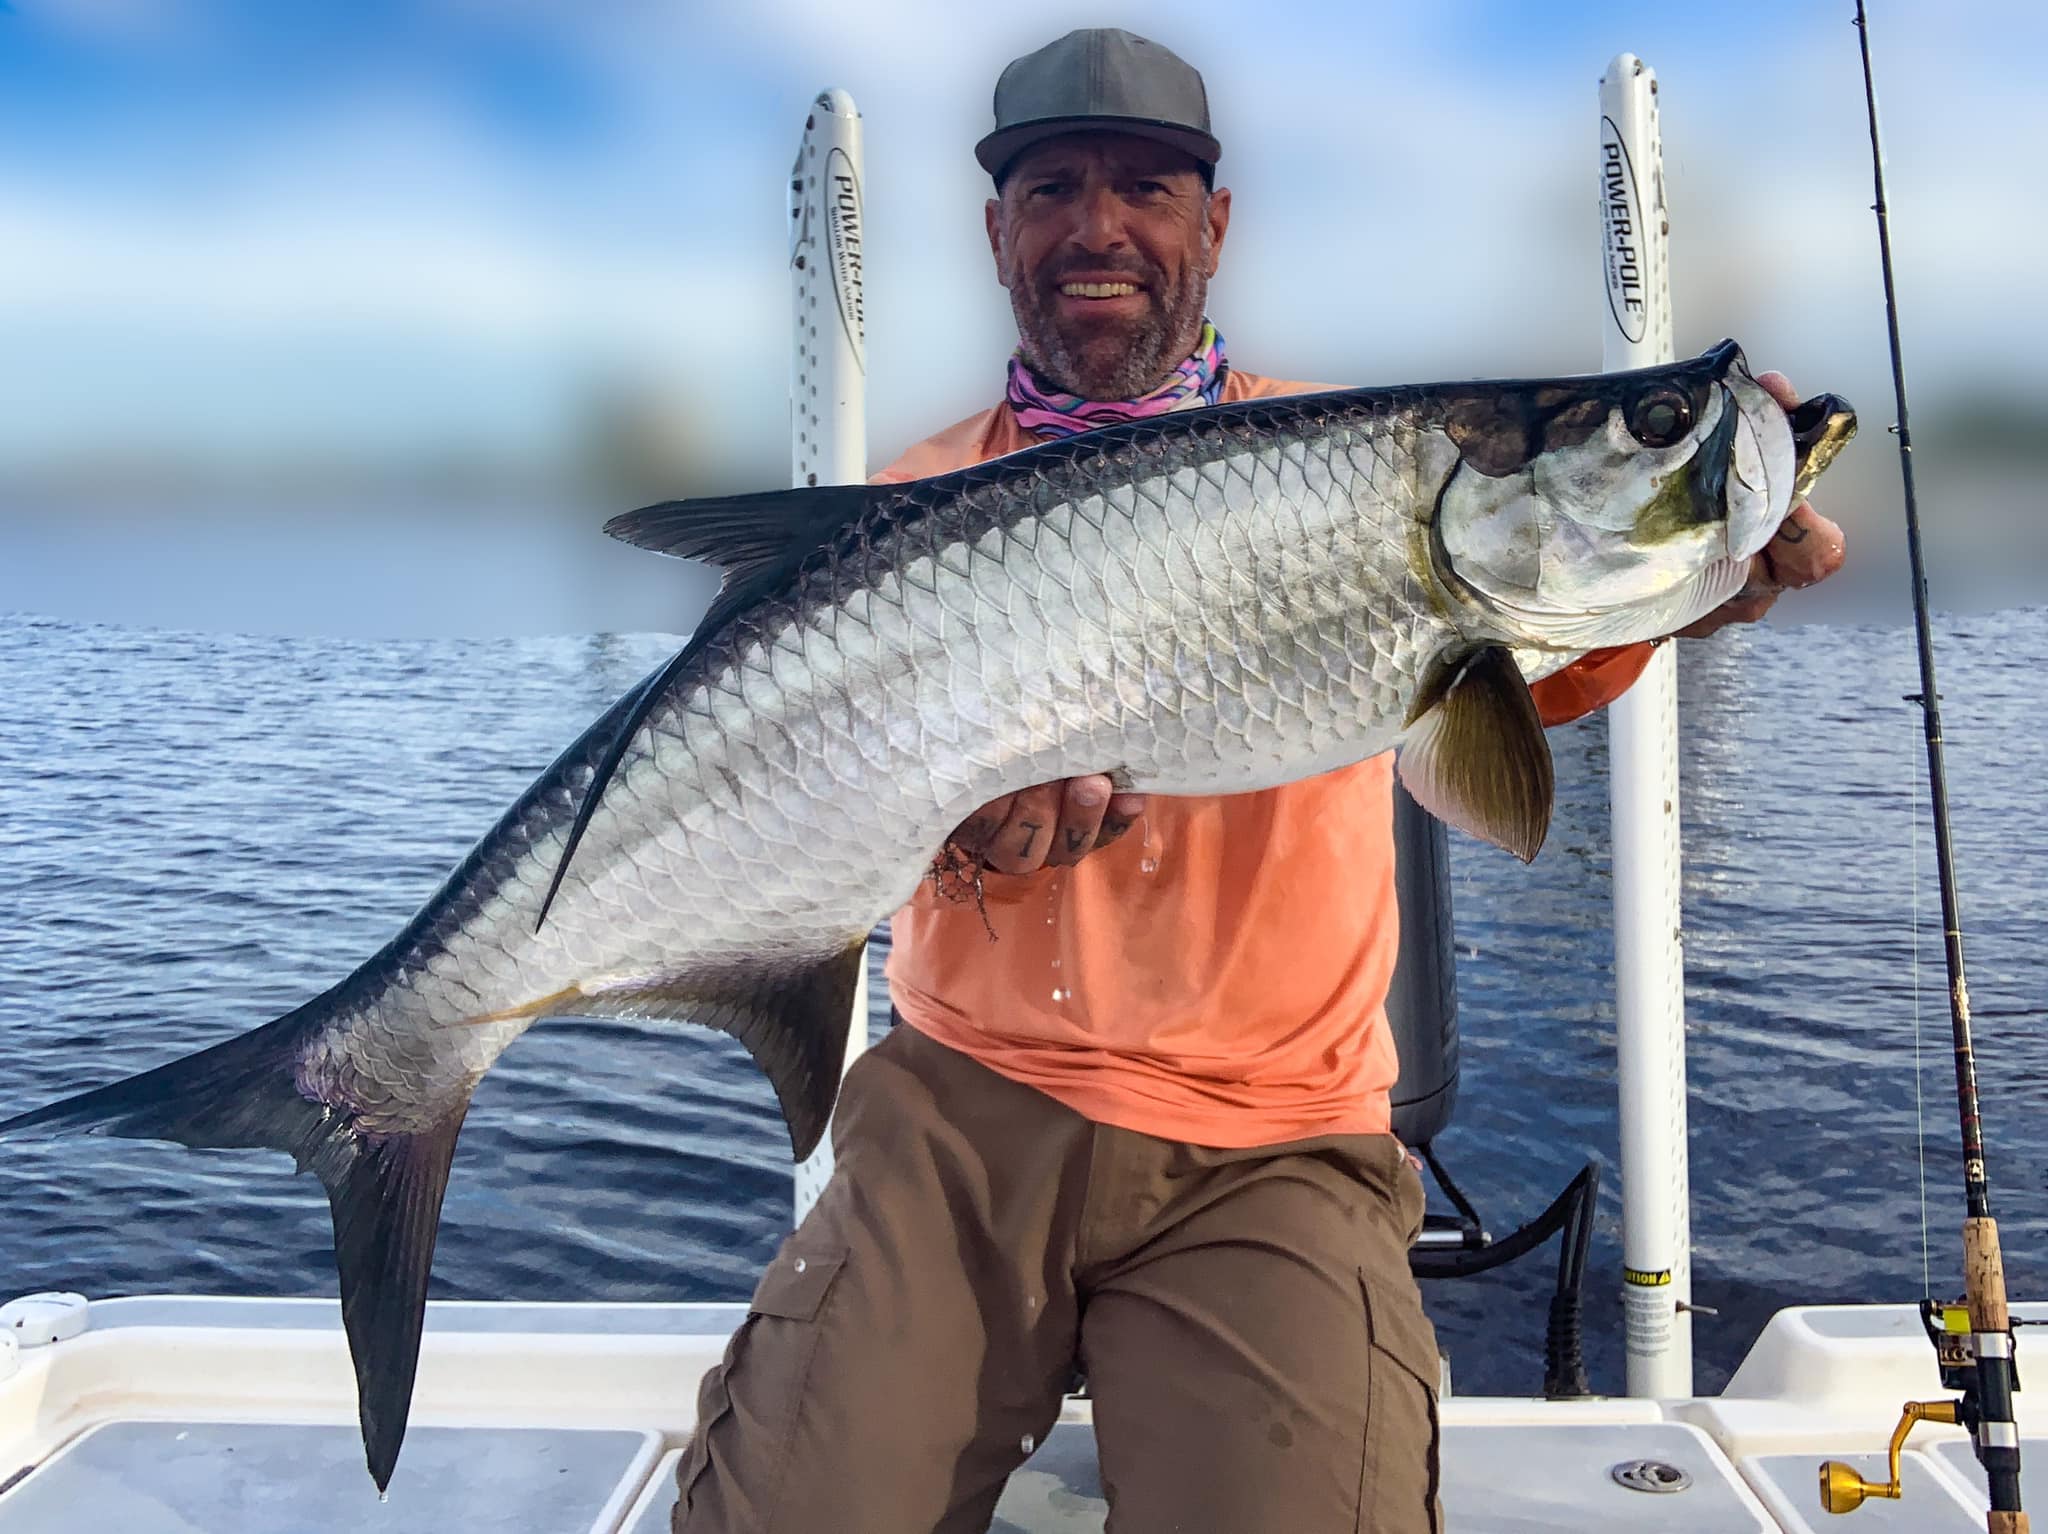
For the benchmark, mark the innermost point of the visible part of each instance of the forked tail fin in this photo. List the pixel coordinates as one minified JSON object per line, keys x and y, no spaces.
{"x":384,"y":1190}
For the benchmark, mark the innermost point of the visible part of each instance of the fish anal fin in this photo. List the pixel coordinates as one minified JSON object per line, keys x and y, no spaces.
{"x":791,"y":1015}
{"x":1475,"y":755}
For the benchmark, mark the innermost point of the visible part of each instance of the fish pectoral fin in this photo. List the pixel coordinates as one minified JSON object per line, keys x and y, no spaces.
{"x":792,"y":1017}
{"x":384,"y":1190}
{"x":1475,"y":755}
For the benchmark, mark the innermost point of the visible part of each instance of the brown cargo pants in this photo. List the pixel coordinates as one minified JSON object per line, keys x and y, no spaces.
{"x":1255,"y":1346}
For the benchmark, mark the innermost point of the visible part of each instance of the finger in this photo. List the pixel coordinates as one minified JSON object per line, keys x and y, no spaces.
{"x":1119,"y":816}
{"x":1746,"y":608}
{"x":1020,"y":847}
{"x":1081,"y":810}
{"x":1807,"y":549}
{"x":975,"y":832}
{"x":1779,"y":387}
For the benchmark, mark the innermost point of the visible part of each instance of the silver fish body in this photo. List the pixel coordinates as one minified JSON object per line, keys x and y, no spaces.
{"x":1211,"y":602}
{"x":1236,"y":614}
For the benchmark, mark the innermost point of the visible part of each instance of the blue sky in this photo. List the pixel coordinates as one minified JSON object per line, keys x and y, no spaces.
{"x":253,"y":232}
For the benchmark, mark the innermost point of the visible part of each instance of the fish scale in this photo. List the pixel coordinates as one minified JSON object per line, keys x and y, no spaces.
{"x":1211,"y":601}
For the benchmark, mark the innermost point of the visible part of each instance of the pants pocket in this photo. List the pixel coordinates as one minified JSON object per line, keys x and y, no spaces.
{"x":747,"y":1407}
{"x":1400,"y":1480}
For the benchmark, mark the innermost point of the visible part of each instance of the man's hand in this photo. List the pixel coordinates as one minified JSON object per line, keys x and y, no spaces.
{"x":1806,"y":550}
{"x":1049,"y":826}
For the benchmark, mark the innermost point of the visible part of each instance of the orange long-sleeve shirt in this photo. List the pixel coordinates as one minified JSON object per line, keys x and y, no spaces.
{"x":1217,"y":976}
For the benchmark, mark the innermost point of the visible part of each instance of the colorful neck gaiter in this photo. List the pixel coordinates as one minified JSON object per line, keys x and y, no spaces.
{"x":1196,"y":382}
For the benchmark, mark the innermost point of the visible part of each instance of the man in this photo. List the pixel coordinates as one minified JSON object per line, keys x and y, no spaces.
{"x":1147,"y":1129}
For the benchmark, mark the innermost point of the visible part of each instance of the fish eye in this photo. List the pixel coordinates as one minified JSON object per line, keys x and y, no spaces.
{"x":1659,"y":416}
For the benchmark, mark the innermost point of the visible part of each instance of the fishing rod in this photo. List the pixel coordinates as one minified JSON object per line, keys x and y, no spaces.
{"x":1973,"y":1341}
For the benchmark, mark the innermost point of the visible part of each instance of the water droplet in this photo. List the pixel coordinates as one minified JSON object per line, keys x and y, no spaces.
{"x":1027,"y":1443}
{"x":1055,"y":963}
{"x":1149,"y":863}
{"x":1059,"y":993}
{"x":801,"y":1264}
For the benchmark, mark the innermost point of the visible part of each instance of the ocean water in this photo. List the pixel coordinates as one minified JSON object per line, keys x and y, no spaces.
{"x":198,"y":832}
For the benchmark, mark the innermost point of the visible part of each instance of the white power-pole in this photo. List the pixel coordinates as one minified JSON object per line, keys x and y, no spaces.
{"x":828,"y":417}
{"x":1649,"y":955}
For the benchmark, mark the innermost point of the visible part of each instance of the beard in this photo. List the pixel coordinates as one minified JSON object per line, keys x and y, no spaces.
{"x":1111,"y":359}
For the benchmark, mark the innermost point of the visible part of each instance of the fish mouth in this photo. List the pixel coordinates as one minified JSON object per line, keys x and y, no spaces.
{"x":1752,"y":470}
{"x":1821,"y":428}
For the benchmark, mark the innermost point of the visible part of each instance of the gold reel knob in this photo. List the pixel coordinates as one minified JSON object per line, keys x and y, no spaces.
{"x":1842,"y":1490}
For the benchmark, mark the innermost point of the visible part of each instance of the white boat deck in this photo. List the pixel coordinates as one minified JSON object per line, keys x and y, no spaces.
{"x":183,"y":1415}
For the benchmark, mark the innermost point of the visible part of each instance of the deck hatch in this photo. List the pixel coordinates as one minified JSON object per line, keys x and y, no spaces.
{"x":269,"y":1478}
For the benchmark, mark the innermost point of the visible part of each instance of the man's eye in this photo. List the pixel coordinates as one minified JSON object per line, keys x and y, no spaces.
{"x":1048,"y":189}
{"x":1152,"y":188}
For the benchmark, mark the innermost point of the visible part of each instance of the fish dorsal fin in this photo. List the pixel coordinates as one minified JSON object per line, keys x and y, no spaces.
{"x":746,"y":534}
{"x":760,"y":540}
{"x":1475,"y":755}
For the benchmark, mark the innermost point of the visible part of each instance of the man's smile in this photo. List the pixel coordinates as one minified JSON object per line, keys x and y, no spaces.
{"x":1102,"y":295}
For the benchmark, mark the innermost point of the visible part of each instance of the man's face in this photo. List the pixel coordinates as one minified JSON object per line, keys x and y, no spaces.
{"x":1107,"y":244}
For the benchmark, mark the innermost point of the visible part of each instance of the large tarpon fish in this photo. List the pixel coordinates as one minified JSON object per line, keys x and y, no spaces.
{"x":1199,"y":603}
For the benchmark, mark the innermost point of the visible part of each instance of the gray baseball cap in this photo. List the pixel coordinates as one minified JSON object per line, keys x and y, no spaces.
{"x":1101,"y":77}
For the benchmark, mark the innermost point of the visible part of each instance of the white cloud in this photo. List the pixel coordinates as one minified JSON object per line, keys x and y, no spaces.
{"x":1410,"y":202}
{"x":303,"y":265}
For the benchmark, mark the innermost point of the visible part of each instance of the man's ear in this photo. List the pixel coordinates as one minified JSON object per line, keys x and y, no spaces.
{"x":992,"y":214}
{"x":1219,"y":225}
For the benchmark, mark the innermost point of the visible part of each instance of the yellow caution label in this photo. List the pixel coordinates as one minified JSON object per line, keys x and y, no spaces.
{"x":1645,"y":1278}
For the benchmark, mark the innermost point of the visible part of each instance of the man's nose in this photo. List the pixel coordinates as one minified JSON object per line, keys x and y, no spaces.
{"x":1099,"y":220}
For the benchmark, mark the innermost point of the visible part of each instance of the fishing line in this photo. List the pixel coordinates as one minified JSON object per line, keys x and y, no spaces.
{"x":1919,"y":1074}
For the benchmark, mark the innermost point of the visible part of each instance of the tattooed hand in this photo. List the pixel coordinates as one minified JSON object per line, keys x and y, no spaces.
{"x":1050,"y":826}
{"x":1807,"y":549}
